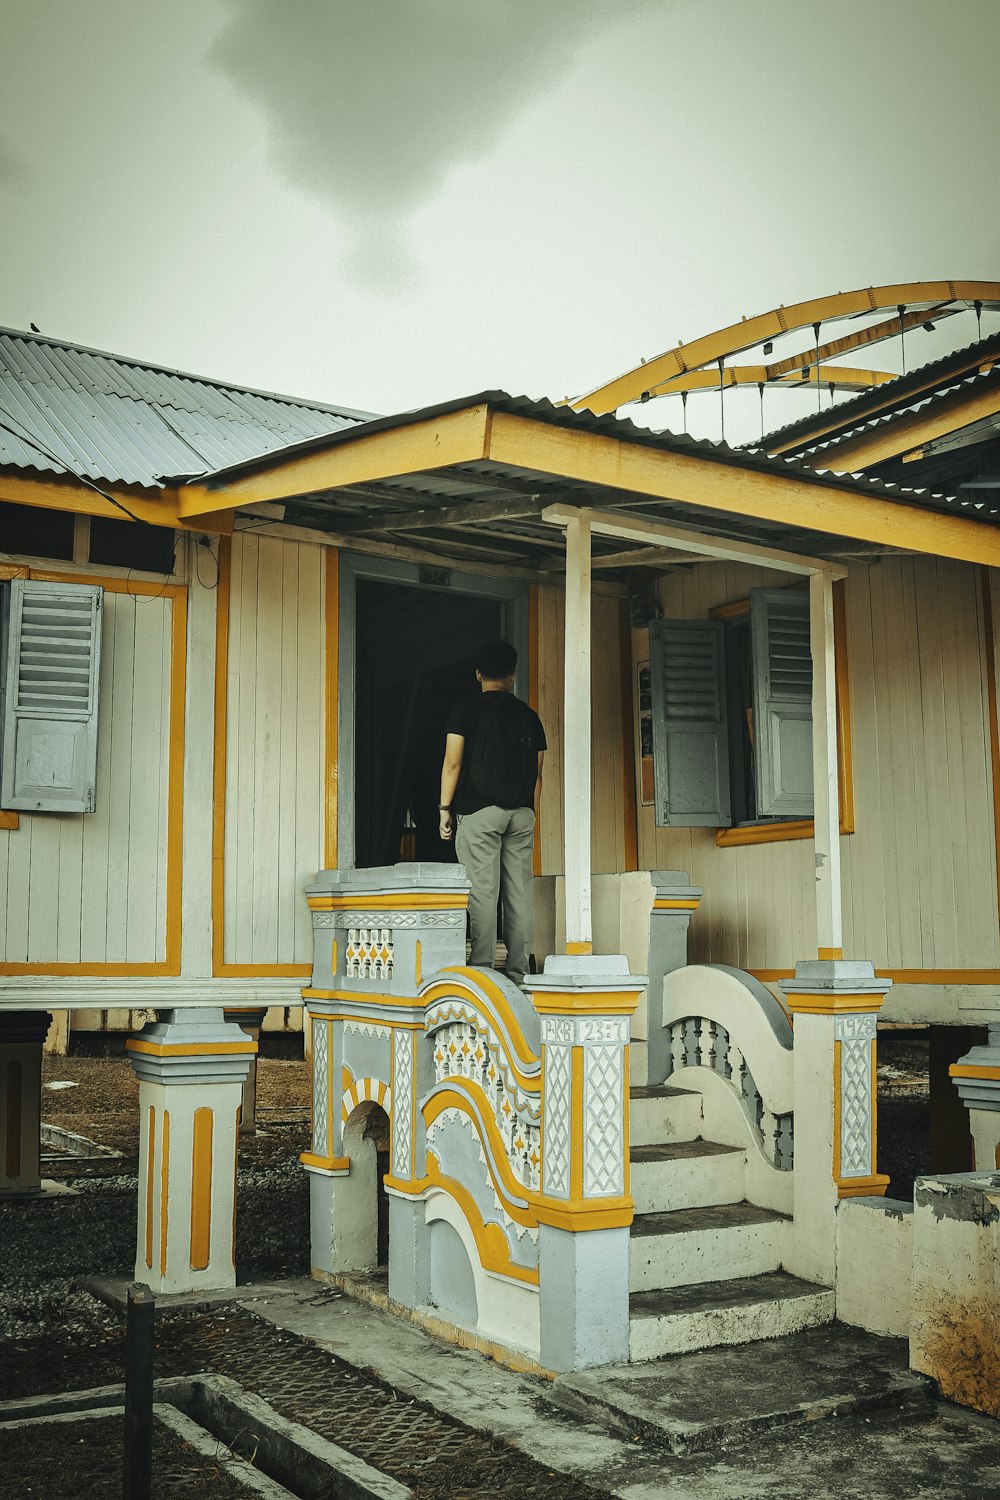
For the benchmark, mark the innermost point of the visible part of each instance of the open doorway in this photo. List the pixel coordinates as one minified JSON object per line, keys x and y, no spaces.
{"x":415,"y":659}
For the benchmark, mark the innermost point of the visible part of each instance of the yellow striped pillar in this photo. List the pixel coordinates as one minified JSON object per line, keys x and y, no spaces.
{"x":191,"y":1065}
{"x":835,"y":1005}
{"x":21,"y":1036}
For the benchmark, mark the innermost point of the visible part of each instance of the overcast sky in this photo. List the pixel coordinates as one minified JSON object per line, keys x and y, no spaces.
{"x":391,"y":202}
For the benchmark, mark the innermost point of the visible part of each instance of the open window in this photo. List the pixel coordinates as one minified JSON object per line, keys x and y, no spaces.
{"x":732,"y":712}
{"x":50,"y":650}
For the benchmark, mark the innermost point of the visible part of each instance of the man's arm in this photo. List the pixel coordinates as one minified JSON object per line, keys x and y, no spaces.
{"x":538,"y":783}
{"x":453,"y":751}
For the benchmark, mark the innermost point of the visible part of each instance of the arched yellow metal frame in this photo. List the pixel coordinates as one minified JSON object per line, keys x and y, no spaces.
{"x":694,"y":366}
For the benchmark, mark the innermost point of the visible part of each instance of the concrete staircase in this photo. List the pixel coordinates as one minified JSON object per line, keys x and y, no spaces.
{"x":705,"y":1264}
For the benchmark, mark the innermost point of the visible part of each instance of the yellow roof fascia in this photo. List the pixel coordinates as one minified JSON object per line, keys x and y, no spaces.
{"x":457,"y":437}
{"x":912,"y":430}
{"x":787,"y":499}
{"x":81,"y":500}
{"x":843,"y":377}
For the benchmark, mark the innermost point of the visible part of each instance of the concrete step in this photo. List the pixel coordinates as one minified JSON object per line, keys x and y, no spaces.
{"x":692,"y":1245}
{"x":691,"y":1402}
{"x":676,"y":1320}
{"x":686,"y":1174}
{"x":659,"y":1113}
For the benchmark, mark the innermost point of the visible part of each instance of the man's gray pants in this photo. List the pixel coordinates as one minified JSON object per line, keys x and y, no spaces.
{"x":495,"y":846}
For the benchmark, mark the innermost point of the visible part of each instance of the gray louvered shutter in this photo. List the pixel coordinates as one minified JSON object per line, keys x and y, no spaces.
{"x":782,"y":678}
{"x":51,"y":673}
{"x":690,"y":734}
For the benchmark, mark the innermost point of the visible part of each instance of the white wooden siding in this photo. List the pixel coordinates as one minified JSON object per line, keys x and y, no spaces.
{"x":90,"y":888}
{"x":274,"y":747}
{"x":919,"y":873}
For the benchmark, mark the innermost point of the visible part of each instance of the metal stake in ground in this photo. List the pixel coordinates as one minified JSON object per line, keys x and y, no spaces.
{"x":139,"y":1392}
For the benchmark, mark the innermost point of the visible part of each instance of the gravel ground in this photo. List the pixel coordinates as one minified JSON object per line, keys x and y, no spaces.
{"x":47,"y":1244}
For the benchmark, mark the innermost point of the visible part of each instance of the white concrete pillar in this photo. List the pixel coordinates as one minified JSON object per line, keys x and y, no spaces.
{"x":977,"y":1078}
{"x":22,"y":1034}
{"x":191,"y":1067}
{"x":585,"y":1207}
{"x":835,"y":1006}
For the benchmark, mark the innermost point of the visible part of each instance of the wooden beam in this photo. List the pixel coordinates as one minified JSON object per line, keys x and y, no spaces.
{"x":465,"y":512}
{"x":841,"y":377}
{"x":657,"y":534}
{"x":79,"y":499}
{"x":743,"y":494}
{"x":458,"y":437}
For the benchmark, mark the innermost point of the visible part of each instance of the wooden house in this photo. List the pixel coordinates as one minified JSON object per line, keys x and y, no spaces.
{"x":773,"y":676}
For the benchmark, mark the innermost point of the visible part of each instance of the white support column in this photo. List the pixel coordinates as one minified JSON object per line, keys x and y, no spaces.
{"x":826,"y":781}
{"x":577,"y":736}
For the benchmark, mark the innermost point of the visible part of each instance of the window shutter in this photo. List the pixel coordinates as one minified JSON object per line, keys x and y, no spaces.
{"x":690,"y":734}
{"x":51,"y":670}
{"x":782,"y":674}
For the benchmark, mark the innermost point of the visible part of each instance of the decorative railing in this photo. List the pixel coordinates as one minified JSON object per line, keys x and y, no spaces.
{"x":725,"y":1021}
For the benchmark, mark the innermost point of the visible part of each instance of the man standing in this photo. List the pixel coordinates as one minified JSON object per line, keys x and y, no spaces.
{"x":491,"y":781}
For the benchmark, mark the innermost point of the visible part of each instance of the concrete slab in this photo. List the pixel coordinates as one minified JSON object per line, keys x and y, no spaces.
{"x":697,"y":1401}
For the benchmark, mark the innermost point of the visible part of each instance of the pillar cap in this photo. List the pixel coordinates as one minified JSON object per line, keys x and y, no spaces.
{"x":390,"y":880}
{"x":834,"y":986}
{"x":674,"y":885}
{"x":597,"y":983}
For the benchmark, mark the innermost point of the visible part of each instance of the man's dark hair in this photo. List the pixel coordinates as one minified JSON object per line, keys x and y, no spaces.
{"x":496,"y":660}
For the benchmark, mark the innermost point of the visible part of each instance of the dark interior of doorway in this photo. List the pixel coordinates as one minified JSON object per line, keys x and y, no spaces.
{"x":416,"y":652}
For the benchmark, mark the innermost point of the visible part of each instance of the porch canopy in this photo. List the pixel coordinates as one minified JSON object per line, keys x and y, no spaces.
{"x":538,"y":491}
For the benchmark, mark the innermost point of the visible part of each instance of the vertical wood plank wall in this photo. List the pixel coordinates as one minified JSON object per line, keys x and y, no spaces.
{"x":91,"y":888}
{"x":919,"y":873}
{"x":611,"y":706}
{"x":274,"y":749}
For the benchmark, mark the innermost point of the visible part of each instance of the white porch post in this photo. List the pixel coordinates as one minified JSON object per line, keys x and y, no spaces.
{"x":577,"y":733}
{"x":826,"y":782}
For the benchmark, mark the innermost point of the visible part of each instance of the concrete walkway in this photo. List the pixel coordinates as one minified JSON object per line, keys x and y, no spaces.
{"x":832,"y":1412}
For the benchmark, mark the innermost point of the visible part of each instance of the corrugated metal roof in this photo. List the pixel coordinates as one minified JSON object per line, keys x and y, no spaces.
{"x":922,"y":383}
{"x":66,"y":409}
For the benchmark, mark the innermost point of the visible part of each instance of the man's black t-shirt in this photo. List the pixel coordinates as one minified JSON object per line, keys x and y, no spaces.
{"x":464,"y":720}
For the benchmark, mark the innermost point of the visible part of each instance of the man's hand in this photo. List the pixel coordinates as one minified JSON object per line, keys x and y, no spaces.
{"x":446,"y":826}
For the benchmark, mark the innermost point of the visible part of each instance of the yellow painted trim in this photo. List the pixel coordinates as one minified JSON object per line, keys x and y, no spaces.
{"x":534,"y":683}
{"x":365,"y":1091}
{"x":170,"y":965}
{"x":765,"y":833}
{"x":580,"y":1216}
{"x":491,"y":1242}
{"x":496,"y":1157}
{"x":188,"y":1049}
{"x":971,"y":1070}
{"x":597,"y":458}
{"x":579,"y":947}
{"x":833,"y":1004}
{"x":150,"y":1155}
{"x":10,"y":820}
{"x":164,"y":1190}
{"x":829,"y":955}
{"x":328,"y":1163}
{"x":586,"y":1002}
{"x":989,"y":646}
{"x":401,"y":901}
{"x":201,"y":1188}
{"x":577,"y":1131}
{"x":457,"y":437}
{"x":472,"y":980}
{"x":373,"y":1293}
{"x":68,"y":495}
{"x":413,"y":1102}
{"x":418,"y":967}
{"x":898,"y":434}
{"x":223,"y":598}
{"x":663,"y":903}
{"x":863,"y":1187}
{"x":331,"y":762}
